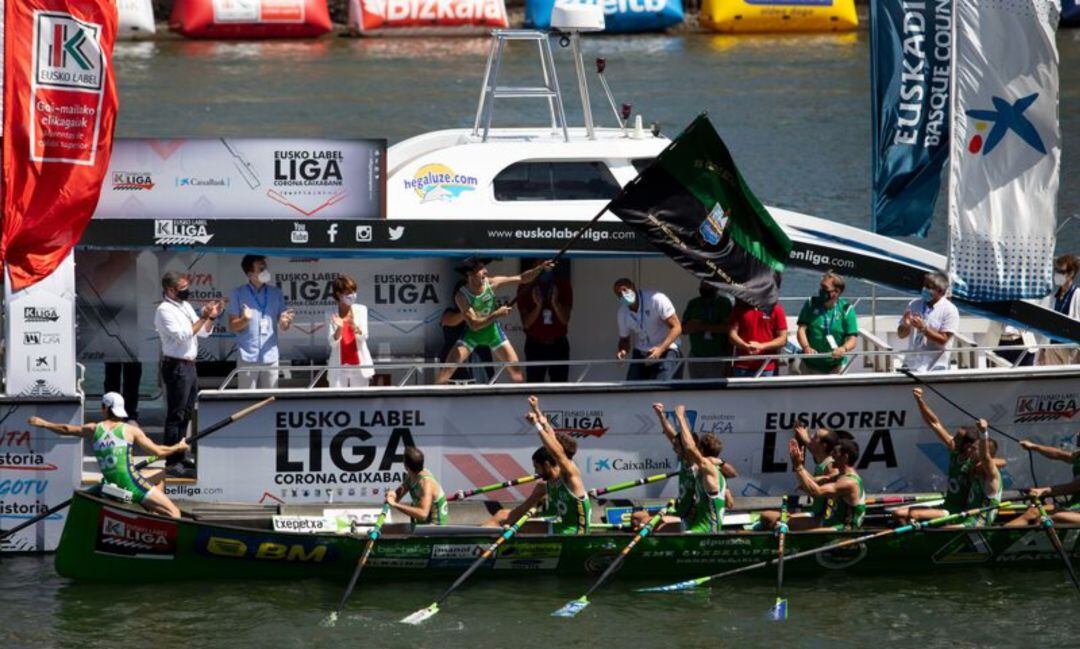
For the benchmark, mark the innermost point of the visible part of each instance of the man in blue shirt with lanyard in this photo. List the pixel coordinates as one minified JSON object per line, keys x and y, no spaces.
{"x":256,"y":310}
{"x":1065,"y":301}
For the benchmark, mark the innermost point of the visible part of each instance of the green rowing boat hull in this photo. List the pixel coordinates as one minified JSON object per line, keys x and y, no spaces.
{"x":103,"y":541}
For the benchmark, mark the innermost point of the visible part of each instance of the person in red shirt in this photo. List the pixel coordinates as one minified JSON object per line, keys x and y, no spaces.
{"x":545,"y":314}
{"x":757,"y":332}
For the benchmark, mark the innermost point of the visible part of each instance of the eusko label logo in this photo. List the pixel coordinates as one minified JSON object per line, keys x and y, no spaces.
{"x":127,"y":181}
{"x":40,"y":314}
{"x":181,"y":232}
{"x":68,"y":53}
{"x":437,"y":182}
{"x":1046,"y":407}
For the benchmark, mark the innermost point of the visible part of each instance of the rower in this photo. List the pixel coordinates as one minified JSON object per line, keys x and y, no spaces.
{"x":429,"y":501}
{"x":477,"y":303}
{"x":567,"y":501}
{"x":848,"y":506}
{"x":687,"y":475}
{"x":710,"y":486}
{"x":821,"y":445}
{"x":961,"y":446}
{"x":986,"y":483}
{"x":1070,"y":513}
{"x":112,"y":440}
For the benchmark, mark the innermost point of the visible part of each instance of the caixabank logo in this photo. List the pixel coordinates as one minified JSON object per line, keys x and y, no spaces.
{"x":68,"y":52}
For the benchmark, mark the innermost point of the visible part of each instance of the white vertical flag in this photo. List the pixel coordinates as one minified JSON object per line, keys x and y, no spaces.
{"x":1006,"y":149}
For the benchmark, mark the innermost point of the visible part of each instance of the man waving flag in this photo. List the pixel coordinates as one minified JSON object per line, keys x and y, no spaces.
{"x":59,"y":110}
{"x":693,"y":205}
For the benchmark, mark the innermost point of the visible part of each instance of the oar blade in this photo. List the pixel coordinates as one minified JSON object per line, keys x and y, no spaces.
{"x":421,"y":616}
{"x":671,"y":588}
{"x":572,"y":608}
{"x":330,"y":620}
{"x":779,"y":610}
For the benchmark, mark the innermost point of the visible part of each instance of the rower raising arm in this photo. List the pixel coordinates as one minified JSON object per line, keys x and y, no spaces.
{"x":985,"y":480}
{"x":849,"y":498}
{"x":931,"y":419}
{"x":710,"y":487}
{"x":569,"y":472}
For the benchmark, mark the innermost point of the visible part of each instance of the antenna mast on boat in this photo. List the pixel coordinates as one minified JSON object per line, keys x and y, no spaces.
{"x":569,"y":22}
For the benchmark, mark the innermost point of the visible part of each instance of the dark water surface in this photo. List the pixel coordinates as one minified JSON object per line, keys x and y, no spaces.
{"x":794,"y":111}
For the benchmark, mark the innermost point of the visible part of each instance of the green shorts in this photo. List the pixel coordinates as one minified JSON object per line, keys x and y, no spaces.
{"x":556,"y":528}
{"x":491,"y":336}
{"x":132,"y":483}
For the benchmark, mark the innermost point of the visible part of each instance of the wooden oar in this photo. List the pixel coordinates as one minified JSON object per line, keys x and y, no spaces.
{"x":373,"y":536}
{"x":573,"y":607}
{"x":903,"y":529}
{"x":779,"y":609}
{"x":462,"y":495}
{"x":213,"y":428}
{"x":596,"y":493}
{"x":430,"y":611}
{"x":1055,"y":540}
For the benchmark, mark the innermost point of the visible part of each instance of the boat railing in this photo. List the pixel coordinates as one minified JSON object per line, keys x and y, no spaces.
{"x":873,"y":356}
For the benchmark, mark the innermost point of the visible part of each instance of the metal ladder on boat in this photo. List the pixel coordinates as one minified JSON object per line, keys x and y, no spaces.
{"x":491,"y":90}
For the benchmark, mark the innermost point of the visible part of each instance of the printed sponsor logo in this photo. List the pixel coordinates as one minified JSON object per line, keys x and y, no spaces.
{"x":406,"y":288}
{"x":40,"y":314}
{"x":10,"y":509}
{"x":456,"y":555}
{"x":702,"y":423}
{"x":309,"y":454}
{"x":1046,"y":407}
{"x":843,"y":557}
{"x":68,"y":52}
{"x":431,"y":11}
{"x":23,"y":487}
{"x":555,"y":233}
{"x":820,"y":260}
{"x":364,"y":233}
{"x":879,"y":448}
{"x":578,"y":423}
{"x":181,"y":232}
{"x":41,"y":363}
{"x":603,"y":464}
{"x":24,"y":462}
{"x":1006,"y":117}
{"x":264,"y":547}
{"x":416,"y":563}
{"x":130,"y":181}
{"x":15,"y":438}
{"x":311,"y":524}
{"x":131,"y":535}
{"x":613,"y":7}
{"x":40,"y":338}
{"x":714,"y":225}
{"x":306,"y":168}
{"x":202,"y":182}
{"x":438,"y":182}
{"x":395,"y":232}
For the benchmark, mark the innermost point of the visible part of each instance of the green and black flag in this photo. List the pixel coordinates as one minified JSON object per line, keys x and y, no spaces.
{"x":694,"y":206}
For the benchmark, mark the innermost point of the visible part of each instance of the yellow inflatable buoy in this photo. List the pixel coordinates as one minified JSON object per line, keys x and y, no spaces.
{"x":779,"y":16}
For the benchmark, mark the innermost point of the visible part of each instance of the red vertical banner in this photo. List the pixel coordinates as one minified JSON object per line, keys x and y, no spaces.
{"x":59,"y":112}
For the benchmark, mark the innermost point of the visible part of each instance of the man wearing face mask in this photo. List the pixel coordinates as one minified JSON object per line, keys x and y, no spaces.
{"x":827,"y":325}
{"x":256,"y":310}
{"x":929,"y":323}
{"x":545,"y":314}
{"x":180,"y":328}
{"x":1064,"y":300}
{"x":707,"y":321}
{"x":650,"y":318}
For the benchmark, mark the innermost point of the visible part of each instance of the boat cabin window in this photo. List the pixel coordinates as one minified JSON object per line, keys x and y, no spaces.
{"x":640,"y":164}
{"x":555,"y":181}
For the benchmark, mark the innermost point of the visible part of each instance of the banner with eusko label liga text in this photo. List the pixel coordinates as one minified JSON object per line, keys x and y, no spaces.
{"x":323,"y":445}
{"x":1006,"y":149}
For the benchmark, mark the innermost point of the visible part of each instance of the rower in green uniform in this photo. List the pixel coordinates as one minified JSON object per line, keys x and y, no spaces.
{"x":687,"y":478}
{"x":477,"y":302}
{"x":820,"y":445}
{"x":112,"y":441}
{"x":1070,"y":511}
{"x":961,"y":446}
{"x":986,"y":483}
{"x":429,"y":501}
{"x":706,"y":515}
{"x":848,"y":498}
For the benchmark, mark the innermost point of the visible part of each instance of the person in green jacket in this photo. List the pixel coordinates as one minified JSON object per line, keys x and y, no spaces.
{"x":112,"y":441}
{"x":827,"y":325}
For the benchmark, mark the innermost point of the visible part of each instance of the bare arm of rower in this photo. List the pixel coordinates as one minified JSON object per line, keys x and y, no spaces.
{"x":417,"y":511}
{"x":551,"y":443}
{"x":984,"y":451}
{"x":84,"y":430}
{"x":667,"y":428}
{"x":931,"y":419}
{"x":801,"y":434}
{"x":1066,"y":489}
{"x":524,"y":278}
{"x":728,"y":470}
{"x":140,"y":439}
{"x":474,"y":321}
{"x":1051,"y":452}
{"x":538,"y":493}
{"x":807,"y":481}
{"x":729,"y":500}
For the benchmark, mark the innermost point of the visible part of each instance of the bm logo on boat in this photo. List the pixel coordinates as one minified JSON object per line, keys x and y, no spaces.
{"x":1046,"y":407}
{"x":259,"y":547}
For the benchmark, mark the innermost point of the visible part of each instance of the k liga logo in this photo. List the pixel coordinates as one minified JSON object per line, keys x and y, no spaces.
{"x":68,"y":52}
{"x":1004,"y":117}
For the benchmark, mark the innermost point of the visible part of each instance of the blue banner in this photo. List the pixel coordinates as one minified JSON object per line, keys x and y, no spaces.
{"x":910,"y":52}
{"x":620,"y":16}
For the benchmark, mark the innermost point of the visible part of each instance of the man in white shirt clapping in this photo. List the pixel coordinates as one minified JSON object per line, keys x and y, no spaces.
{"x":650,"y":319}
{"x":180,"y":328}
{"x":929,"y":323}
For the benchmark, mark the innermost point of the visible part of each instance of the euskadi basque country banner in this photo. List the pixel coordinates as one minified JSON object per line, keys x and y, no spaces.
{"x":1006,"y":150}
{"x":910,"y":51}
{"x":694,"y":206}
{"x":59,"y":111}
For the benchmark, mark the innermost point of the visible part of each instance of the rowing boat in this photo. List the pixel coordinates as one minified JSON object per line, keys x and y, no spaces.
{"x":107,"y":541}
